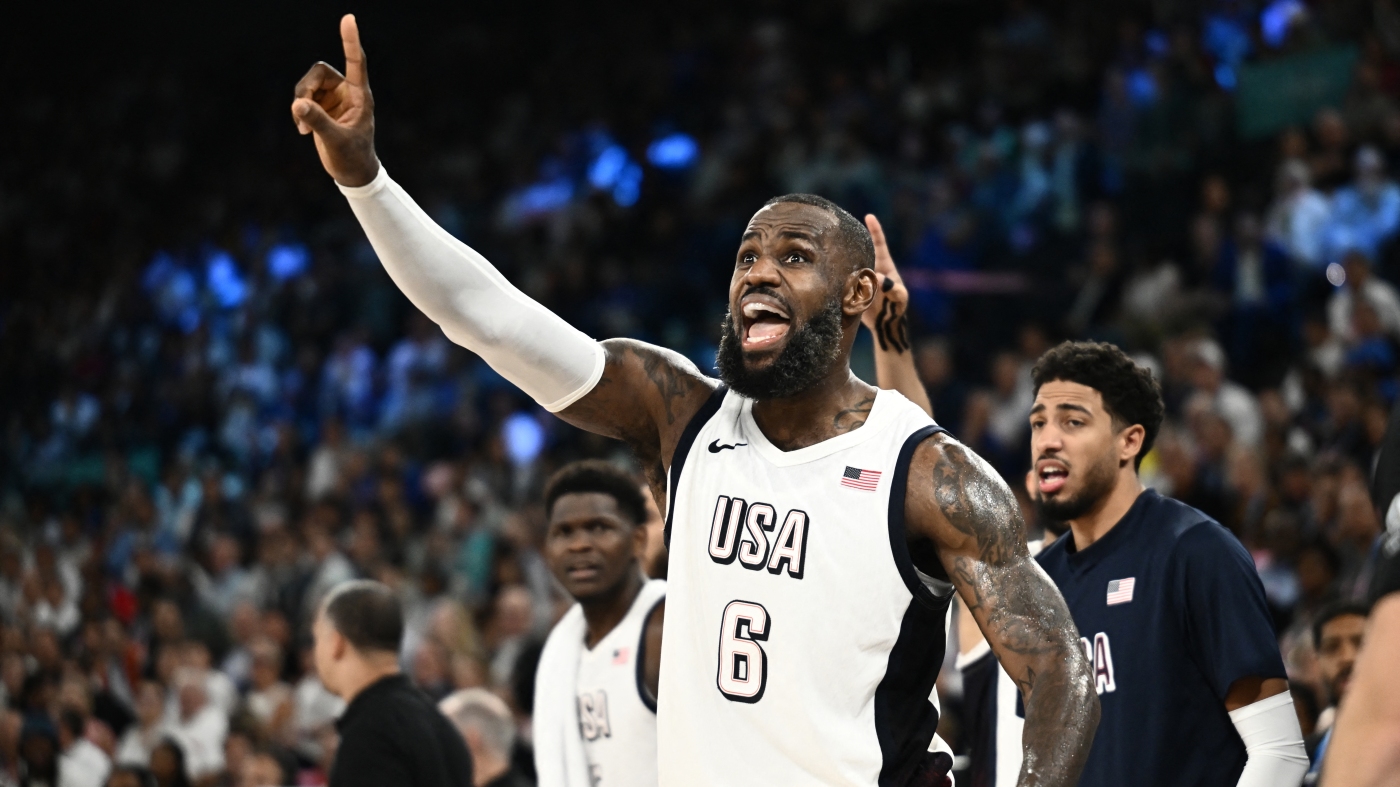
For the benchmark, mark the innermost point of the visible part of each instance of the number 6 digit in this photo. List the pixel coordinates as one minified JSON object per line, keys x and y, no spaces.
{"x":743,"y":665}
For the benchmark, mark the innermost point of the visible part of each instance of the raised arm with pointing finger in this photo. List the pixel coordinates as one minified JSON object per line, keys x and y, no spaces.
{"x":796,"y":431}
{"x":620,"y":388}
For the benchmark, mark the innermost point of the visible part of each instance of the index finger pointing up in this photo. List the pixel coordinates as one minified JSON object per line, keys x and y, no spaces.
{"x":354,"y":53}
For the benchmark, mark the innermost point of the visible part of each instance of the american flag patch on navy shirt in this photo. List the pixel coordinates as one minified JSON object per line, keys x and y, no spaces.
{"x":856,"y":478}
{"x":1120,"y":591}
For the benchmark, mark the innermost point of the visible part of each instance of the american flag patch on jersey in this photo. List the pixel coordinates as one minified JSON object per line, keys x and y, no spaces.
{"x":1120,"y":591}
{"x":856,"y":478}
{"x":620,"y":655}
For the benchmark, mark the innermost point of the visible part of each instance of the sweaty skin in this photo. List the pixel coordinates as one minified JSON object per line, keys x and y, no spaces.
{"x":789,"y":267}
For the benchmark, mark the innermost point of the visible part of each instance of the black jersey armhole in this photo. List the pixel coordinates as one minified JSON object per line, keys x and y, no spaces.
{"x":899,"y":536}
{"x":642,"y":692}
{"x":692,"y":430}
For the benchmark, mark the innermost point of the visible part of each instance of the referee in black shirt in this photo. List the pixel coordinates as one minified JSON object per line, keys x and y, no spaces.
{"x":391,"y":734}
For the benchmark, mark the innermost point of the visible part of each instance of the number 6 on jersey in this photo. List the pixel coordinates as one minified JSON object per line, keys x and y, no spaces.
{"x":743,"y":666}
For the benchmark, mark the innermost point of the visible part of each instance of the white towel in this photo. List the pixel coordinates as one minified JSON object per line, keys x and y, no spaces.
{"x":559,"y":757}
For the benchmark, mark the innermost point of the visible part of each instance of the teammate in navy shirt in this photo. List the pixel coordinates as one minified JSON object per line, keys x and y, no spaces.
{"x":1168,"y":603}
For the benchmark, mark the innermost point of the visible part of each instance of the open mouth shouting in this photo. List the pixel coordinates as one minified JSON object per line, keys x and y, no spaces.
{"x":764,"y":321}
{"x":1050,"y":475}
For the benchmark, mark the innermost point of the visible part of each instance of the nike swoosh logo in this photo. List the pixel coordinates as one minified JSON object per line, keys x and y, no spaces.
{"x":715,"y":447}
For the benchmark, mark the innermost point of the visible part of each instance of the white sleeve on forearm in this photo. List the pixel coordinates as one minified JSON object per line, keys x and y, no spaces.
{"x":475,"y":305}
{"x":1273,"y":741}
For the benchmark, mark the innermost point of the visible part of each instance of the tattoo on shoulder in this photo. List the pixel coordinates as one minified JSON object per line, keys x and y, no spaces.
{"x":976,"y":502}
{"x":670,"y":381}
{"x":852,"y":417}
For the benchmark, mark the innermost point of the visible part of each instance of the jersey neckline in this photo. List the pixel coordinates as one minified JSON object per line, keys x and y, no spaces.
{"x":879,"y":413}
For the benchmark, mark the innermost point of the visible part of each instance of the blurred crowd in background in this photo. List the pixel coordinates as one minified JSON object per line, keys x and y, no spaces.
{"x":216,"y":405}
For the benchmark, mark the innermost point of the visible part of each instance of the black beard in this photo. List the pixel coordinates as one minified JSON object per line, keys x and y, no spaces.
{"x":1098,"y":484}
{"x":805,"y":360}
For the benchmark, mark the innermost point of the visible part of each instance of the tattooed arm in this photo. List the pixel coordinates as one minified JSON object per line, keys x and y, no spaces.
{"x":646,"y":396}
{"x":887,"y":319}
{"x":958,"y":501}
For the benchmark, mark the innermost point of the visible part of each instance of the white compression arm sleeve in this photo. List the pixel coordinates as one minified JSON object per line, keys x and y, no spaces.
{"x":1274,"y":742}
{"x":475,"y":305}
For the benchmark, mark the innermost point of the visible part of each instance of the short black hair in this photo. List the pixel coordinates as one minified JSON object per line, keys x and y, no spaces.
{"x":1131,"y":395}
{"x":1333,"y":611}
{"x":367,"y":613}
{"x":851,"y":233}
{"x":595,"y":475}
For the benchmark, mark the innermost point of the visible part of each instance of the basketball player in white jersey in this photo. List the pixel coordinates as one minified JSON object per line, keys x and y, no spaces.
{"x":595,"y":695}
{"x":817,"y":527}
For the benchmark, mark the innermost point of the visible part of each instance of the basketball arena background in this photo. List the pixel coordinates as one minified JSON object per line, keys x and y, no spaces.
{"x":214,"y":404}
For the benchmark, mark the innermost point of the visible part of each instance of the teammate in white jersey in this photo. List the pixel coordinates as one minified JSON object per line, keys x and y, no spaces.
{"x":817,"y":526}
{"x":595,"y":695}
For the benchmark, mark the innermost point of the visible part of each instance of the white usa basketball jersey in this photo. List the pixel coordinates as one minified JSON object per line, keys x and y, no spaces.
{"x":801,"y":644}
{"x":616,"y":714}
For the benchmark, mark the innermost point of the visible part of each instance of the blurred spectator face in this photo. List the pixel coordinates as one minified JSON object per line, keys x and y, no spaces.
{"x":192,"y":697}
{"x":261,"y":770}
{"x":1208,"y":371}
{"x":224,"y":555}
{"x":124,"y":777}
{"x":1316,"y":572}
{"x":150,"y":704}
{"x":1215,"y":195}
{"x":11,"y":723}
{"x":1076,"y":448}
{"x":1336,"y":652}
{"x":267,"y":664}
{"x":1370,"y":170}
{"x":237,"y":750}
{"x":515,"y":611}
{"x":1212,"y":433}
{"x":166,"y":765}
{"x":1356,"y":517}
{"x":591,"y":546}
{"x":1005,"y":370}
{"x":1358,"y":269}
{"x":243,"y":622}
{"x":166,"y":621}
{"x":934,"y":363}
{"x":430,"y":669}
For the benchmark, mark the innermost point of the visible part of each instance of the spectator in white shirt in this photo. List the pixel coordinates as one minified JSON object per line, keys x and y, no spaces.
{"x":1380,"y":294}
{"x":1228,"y":399}
{"x":81,"y":763}
{"x":141,"y":737}
{"x":269,"y":700}
{"x":199,"y":727}
{"x":1298,"y":215}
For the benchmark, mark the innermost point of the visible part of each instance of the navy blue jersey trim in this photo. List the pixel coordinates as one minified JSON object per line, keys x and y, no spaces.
{"x":899,"y":537}
{"x":692,"y":429}
{"x":642,"y":692}
{"x":905,"y":719}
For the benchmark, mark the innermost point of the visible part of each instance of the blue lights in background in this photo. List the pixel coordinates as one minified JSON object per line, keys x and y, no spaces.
{"x":629,"y":185}
{"x":523,"y":437}
{"x":1225,"y":76}
{"x":223,"y":280}
{"x":1277,"y":17}
{"x":607,"y":167}
{"x":1142,"y":87}
{"x":545,"y":197}
{"x":287,"y":261}
{"x":673,"y":151}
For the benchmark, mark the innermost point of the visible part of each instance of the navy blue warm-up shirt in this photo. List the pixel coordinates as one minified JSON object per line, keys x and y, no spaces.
{"x":1171,"y":612}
